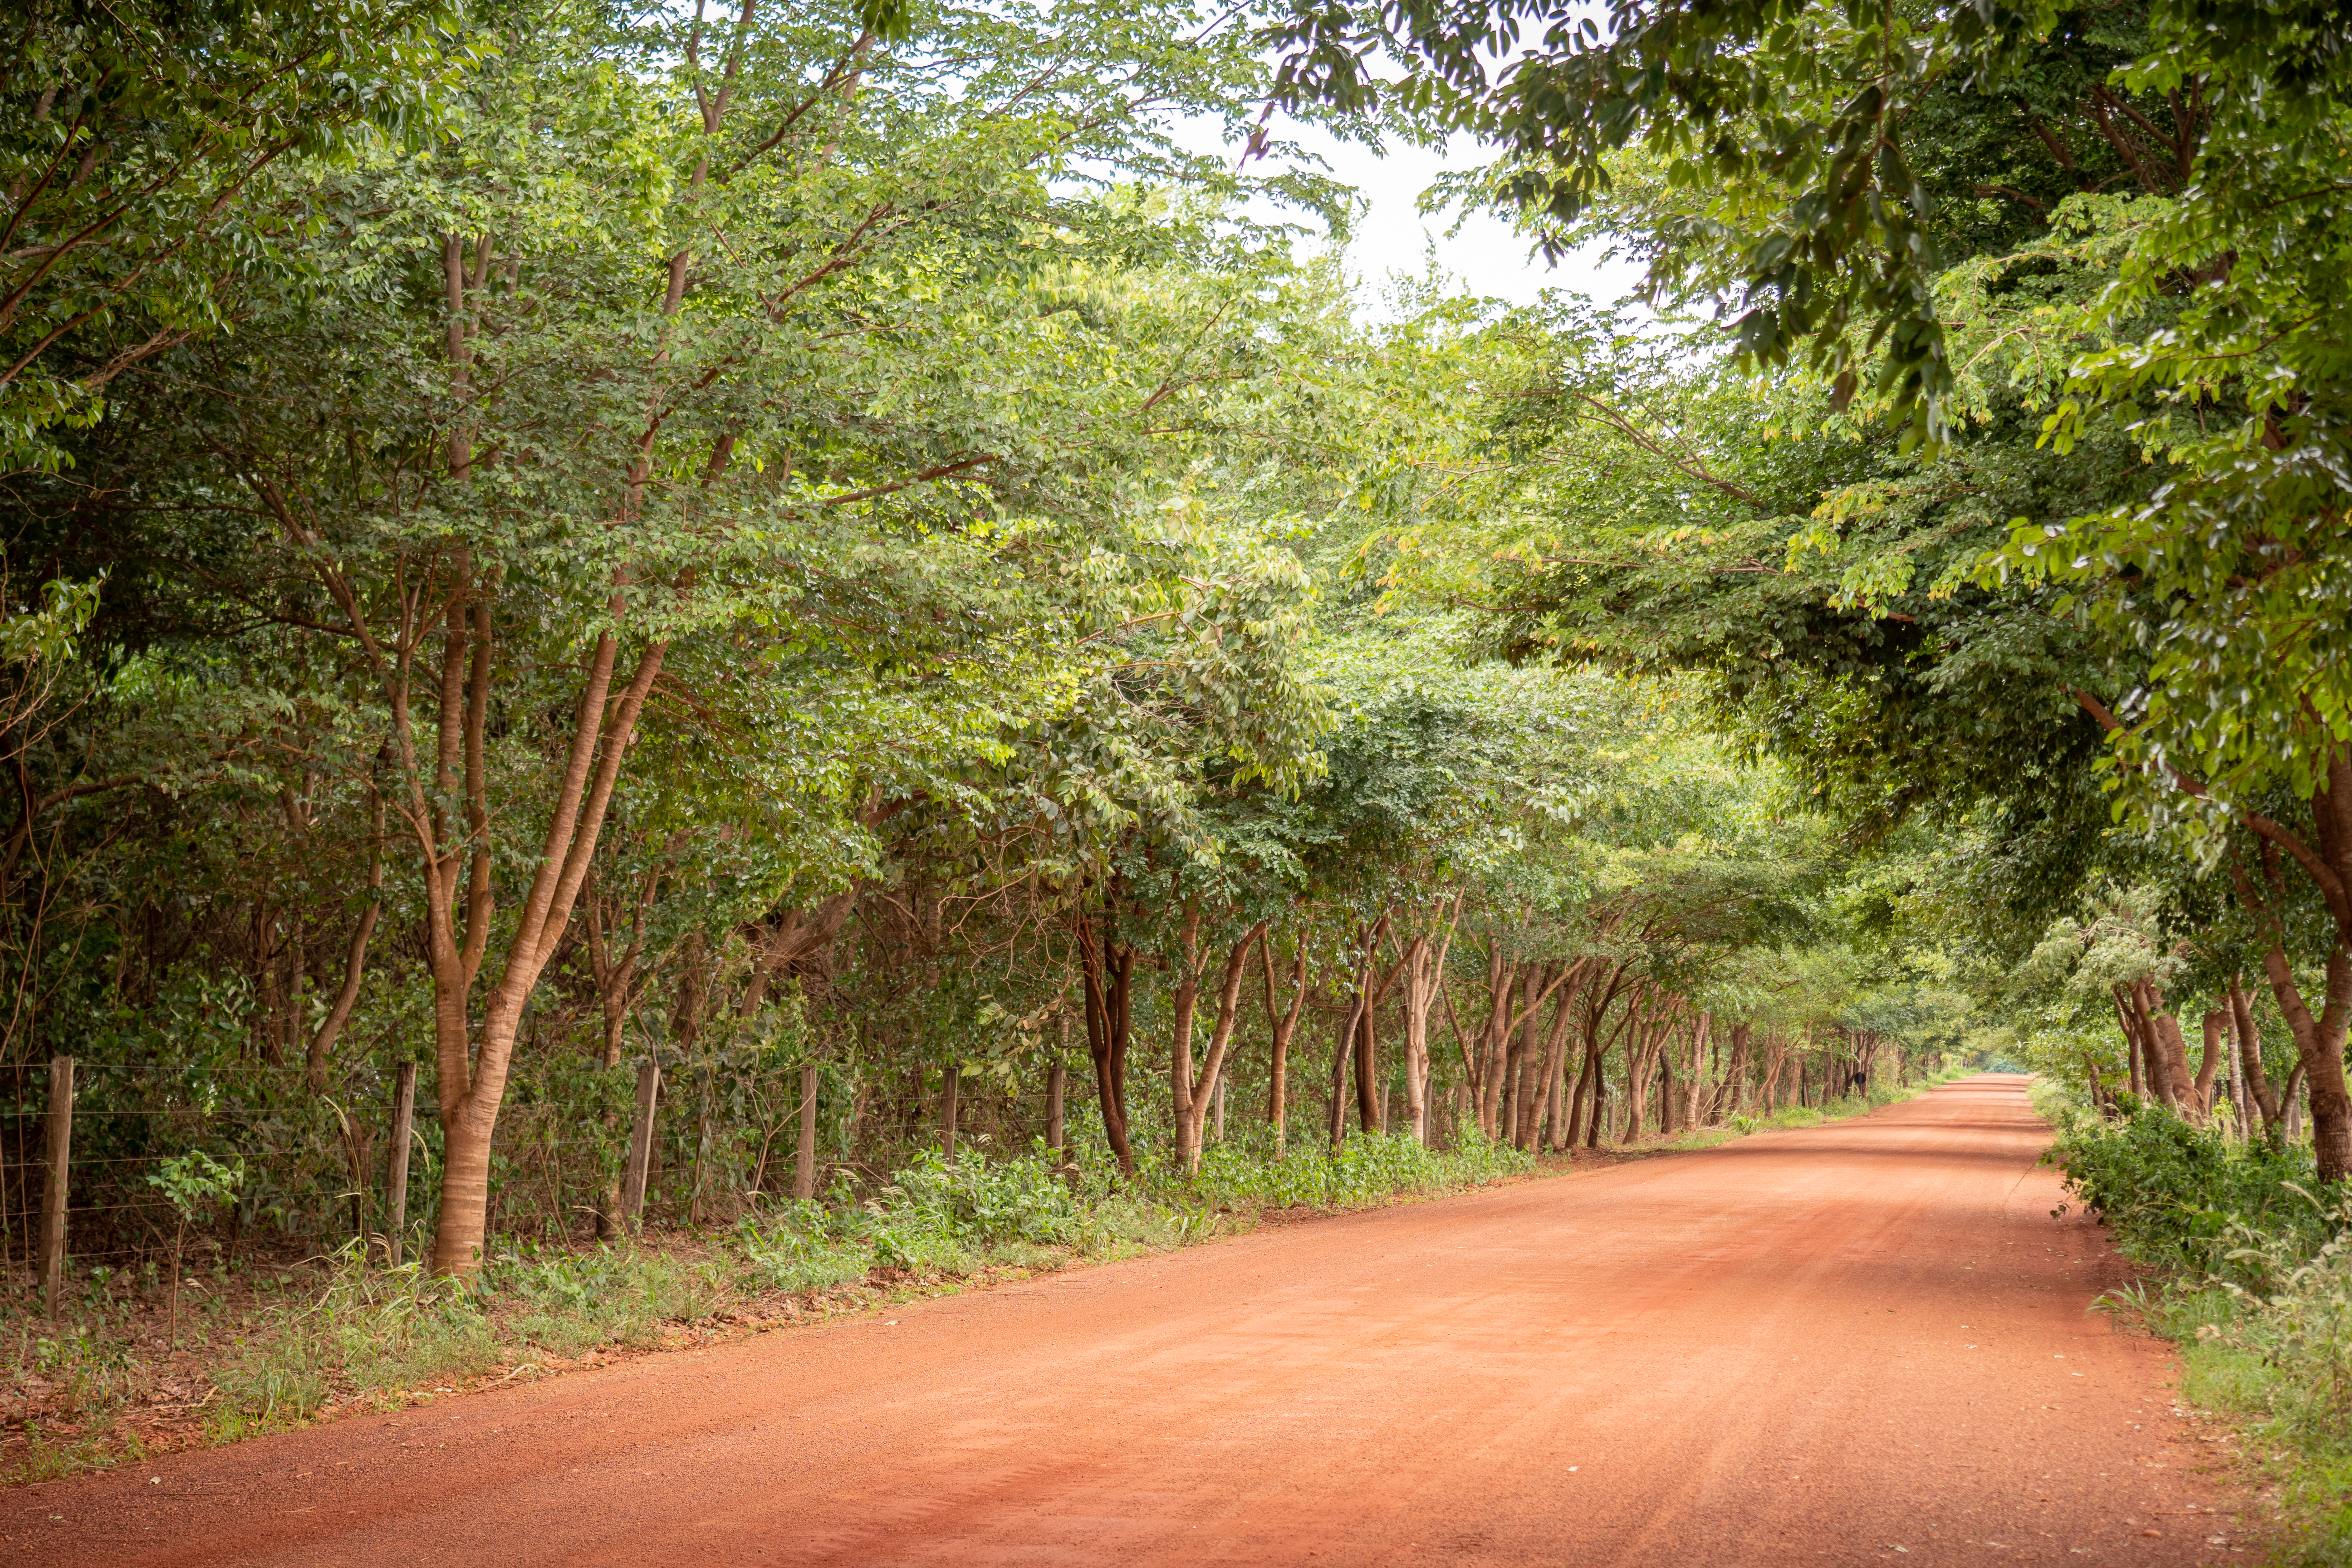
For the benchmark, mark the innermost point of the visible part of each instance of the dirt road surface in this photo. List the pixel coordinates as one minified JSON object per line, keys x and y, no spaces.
{"x":1867,"y":1341}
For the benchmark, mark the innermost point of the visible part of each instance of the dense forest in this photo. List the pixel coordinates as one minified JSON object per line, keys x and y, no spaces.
{"x":641,"y":616}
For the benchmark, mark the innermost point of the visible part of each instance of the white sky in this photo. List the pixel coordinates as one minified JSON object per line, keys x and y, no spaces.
{"x":1485,"y":256}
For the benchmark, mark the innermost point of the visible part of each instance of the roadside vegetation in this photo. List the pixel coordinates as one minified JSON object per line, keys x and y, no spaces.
{"x":256,"y":1346}
{"x":650,"y":660}
{"x":2249,"y":1273}
{"x":260,"y":1347}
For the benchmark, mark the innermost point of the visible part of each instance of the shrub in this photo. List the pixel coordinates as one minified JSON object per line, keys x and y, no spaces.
{"x":2188,"y":1198}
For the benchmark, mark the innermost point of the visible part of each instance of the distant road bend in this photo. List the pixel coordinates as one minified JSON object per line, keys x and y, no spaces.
{"x":1813,"y":1347}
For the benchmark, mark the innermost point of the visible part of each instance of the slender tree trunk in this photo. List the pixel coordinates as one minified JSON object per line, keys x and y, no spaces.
{"x":2238,"y":1098}
{"x":1418,"y":994}
{"x":1501,"y":977}
{"x":2136,"y":1057}
{"x":2164,"y":1035}
{"x":1522,"y":1038}
{"x":322,"y":1043}
{"x":1193,"y":1097}
{"x":1577,"y":1120}
{"x":1283,"y":1026}
{"x":1107,"y":971}
{"x":1343,"y":1048}
{"x":1735,"y":1073}
{"x":1423,"y":967}
{"x":1056,"y":1086}
{"x":804,"y":1156}
{"x":1548,"y":1067}
{"x":2319,"y":1051}
{"x":2249,"y":1056}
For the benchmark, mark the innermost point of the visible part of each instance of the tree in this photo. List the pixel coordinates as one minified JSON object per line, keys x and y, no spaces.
{"x":145,"y":155}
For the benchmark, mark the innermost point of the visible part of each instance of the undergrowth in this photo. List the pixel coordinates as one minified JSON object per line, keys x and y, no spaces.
{"x":2254,"y":1283}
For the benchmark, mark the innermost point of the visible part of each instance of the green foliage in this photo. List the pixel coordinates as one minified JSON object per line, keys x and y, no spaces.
{"x":567,"y":1301}
{"x":144,"y":151}
{"x":980,"y":1202}
{"x":2256,"y":1286}
{"x":2298,"y":1323}
{"x":797,"y":1249}
{"x":2185,"y":1198}
{"x":195,"y":1183}
{"x":1367,"y":1169}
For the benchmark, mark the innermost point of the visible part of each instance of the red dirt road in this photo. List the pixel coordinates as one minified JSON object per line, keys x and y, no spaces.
{"x":1814,"y":1347}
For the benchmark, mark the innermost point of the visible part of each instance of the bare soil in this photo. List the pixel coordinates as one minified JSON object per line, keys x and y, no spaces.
{"x":1868,"y":1342}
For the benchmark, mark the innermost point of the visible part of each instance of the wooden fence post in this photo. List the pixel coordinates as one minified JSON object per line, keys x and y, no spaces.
{"x":1056,"y":1079}
{"x":395,"y":1178}
{"x":804,"y":1164}
{"x":950,"y":1089}
{"x":641,"y":1146}
{"x":53,"y":1196}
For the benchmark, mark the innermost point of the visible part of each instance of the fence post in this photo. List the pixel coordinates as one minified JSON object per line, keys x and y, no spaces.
{"x":804,"y":1167}
{"x":395,"y":1176}
{"x":641,"y":1147}
{"x":1057,"y":1077}
{"x":53,"y":1196}
{"x":950,"y":1089}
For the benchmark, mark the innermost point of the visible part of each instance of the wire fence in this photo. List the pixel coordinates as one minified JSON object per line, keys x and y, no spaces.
{"x":314,"y":1167}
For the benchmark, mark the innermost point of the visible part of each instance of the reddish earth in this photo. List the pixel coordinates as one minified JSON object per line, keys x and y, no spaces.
{"x":1864,"y":1343}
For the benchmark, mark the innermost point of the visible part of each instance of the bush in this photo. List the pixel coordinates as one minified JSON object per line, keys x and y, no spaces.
{"x":979,"y":1201}
{"x":2186,"y":1197}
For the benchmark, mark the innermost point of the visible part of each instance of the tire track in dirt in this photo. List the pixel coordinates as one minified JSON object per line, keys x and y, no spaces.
{"x":1809,"y":1347}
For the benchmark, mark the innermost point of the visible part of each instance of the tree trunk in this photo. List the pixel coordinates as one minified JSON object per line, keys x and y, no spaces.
{"x":1521,"y":1035}
{"x":1056,"y":1086}
{"x":1501,"y":977}
{"x":1193,"y":1096}
{"x":1734,"y":1102}
{"x":1549,"y":1067}
{"x":804,"y":1157}
{"x":1596,"y":1116}
{"x":322,"y":1044}
{"x":2135,"y":1062}
{"x":2164,"y":1030}
{"x":1577,"y":1120}
{"x":1107,"y":970}
{"x":2319,"y":1052}
{"x":1420,"y":961}
{"x":1283,"y":1025}
{"x":1343,"y":1048}
{"x":2249,"y":1054}
{"x":2215,"y":1022}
